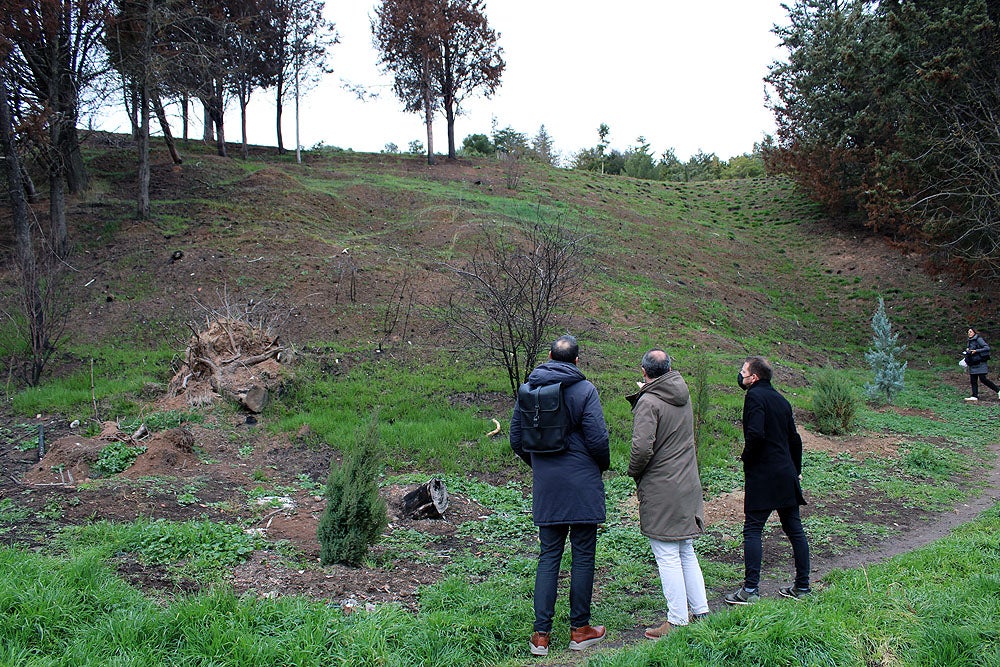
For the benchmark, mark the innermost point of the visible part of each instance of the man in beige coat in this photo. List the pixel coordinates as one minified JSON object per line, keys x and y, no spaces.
{"x":664,"y":464}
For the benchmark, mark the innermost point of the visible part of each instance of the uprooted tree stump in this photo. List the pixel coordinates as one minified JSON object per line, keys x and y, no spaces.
{"x":233,"y":359}
{"x":427,"y":501}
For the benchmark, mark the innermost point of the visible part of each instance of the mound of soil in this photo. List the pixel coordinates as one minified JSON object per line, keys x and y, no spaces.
{"x":70,"y":459}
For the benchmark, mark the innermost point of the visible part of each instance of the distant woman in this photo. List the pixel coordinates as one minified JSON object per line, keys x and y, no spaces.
{"x":976,"y":354}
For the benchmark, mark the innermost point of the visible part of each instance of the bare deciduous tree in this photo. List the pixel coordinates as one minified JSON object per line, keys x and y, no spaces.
{"x":961,"y":169}
{"x":514,"y":289}
{"x":43,"y":311}
{"x":305,"y":38}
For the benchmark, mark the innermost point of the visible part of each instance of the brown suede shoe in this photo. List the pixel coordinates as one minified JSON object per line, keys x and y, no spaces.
{"x":581,"y":638}
{"x":656,"y":633}
{"x":540,"y":643}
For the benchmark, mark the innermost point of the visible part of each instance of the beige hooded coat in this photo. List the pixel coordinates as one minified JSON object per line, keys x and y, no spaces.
{"x":664,"y":462}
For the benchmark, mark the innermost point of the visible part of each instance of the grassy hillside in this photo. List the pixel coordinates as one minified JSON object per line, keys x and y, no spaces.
{"x":322,"y":253}
{"x":706,"y":269}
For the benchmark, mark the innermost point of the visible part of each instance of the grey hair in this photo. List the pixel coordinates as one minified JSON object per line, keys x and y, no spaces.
{"x":656,"y":362}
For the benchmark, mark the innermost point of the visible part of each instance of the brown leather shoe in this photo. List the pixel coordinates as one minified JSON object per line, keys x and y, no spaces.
{"x":582,"y":637}
{"x":656,"y":633}
{"x":540,"y":643}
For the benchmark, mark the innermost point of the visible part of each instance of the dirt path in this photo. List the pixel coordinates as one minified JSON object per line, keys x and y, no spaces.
{"x":919,"y":535}
{"x":923,"y":533}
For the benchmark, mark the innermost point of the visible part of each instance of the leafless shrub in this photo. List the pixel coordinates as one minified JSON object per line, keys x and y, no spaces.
{"x":960,"y":170}
{"x":348,"y":275}
{"x":400,"y":305}
{"x":264,"y":317}
{"x":513,"y":167}
{"x":42,"y":308}
{"x":510,"y":294}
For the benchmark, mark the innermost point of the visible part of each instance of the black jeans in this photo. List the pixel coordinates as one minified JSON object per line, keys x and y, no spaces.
{"x":753,"y":525}
{"x":552,"y":539}
{"x":974,"y":381}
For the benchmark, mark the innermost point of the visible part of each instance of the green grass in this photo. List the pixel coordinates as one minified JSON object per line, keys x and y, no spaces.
{"x":417,"y":423}
{"x":907,"y":611}
{"x":113,"y":374}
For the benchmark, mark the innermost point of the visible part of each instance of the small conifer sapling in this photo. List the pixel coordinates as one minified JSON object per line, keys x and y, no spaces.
{"x":884,"y":359}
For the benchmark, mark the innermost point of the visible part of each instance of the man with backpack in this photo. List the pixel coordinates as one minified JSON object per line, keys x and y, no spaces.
{"x":565,"y":441}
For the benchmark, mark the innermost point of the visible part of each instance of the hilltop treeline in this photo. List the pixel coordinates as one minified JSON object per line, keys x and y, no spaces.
{"x":886,"y":114}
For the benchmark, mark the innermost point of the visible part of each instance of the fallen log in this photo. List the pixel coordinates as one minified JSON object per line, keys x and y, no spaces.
{"x":427,"y":501}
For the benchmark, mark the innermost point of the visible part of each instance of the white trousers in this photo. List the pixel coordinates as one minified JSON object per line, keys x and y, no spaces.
{"x":682,"y":580}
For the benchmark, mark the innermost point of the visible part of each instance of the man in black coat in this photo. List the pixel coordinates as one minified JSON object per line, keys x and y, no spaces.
{"x":567,"y":496}
{"x":772,"y":467}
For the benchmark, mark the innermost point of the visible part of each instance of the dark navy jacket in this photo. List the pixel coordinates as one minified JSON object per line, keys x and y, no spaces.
{"x":567,"y":488}
{"x":772,"y":455}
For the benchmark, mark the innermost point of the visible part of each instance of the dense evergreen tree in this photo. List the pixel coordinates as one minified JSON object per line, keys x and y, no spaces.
{"x":884,"y":359}
{"x":830,"y":110}
{"x":355,"y":515}
{"x":886,"y":115}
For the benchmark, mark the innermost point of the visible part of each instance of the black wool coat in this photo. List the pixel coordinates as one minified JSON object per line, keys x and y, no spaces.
{"x":772,"y":454}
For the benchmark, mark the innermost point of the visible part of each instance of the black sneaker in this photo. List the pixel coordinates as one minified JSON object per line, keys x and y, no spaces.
{"x":794,"y":592}
{"x":742,"y":597}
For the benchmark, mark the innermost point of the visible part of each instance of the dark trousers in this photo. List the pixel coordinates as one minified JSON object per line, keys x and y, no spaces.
{"x":753,"y":553}
{"x":974,"y":380}
{"x":583,"y":539}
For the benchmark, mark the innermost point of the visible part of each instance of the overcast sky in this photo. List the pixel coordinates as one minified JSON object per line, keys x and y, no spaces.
{"x":685,"y":74}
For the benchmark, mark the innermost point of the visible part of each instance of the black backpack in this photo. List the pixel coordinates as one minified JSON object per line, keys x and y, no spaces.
{"x":544,"y":418}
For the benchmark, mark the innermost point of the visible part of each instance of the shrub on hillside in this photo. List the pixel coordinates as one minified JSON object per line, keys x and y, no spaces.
{"x":355,"y":514}
{"x":834,"y":404}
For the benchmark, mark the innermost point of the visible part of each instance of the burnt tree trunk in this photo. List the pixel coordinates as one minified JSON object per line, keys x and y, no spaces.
{"x":428,"y":501}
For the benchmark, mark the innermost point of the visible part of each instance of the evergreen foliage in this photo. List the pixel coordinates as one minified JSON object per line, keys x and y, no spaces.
{"x":885,"y":115}
{"x":543,"y":148}
{"x":355,"y":514}
{"x":834,"y":404}
{"x":478,"y":145}
{"x":883,"y":358}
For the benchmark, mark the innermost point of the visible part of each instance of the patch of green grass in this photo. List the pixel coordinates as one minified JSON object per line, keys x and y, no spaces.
{"x":839,"y":534}
{"x":113,"y":374}
{"x":204,"y":548}
{"x":857,"y":617}
{"x":417,"y":425}
{"x":922,"y":459}
{"x":161,"y":421}
{"x":11,"y":512}
{"x":406,"y":545}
